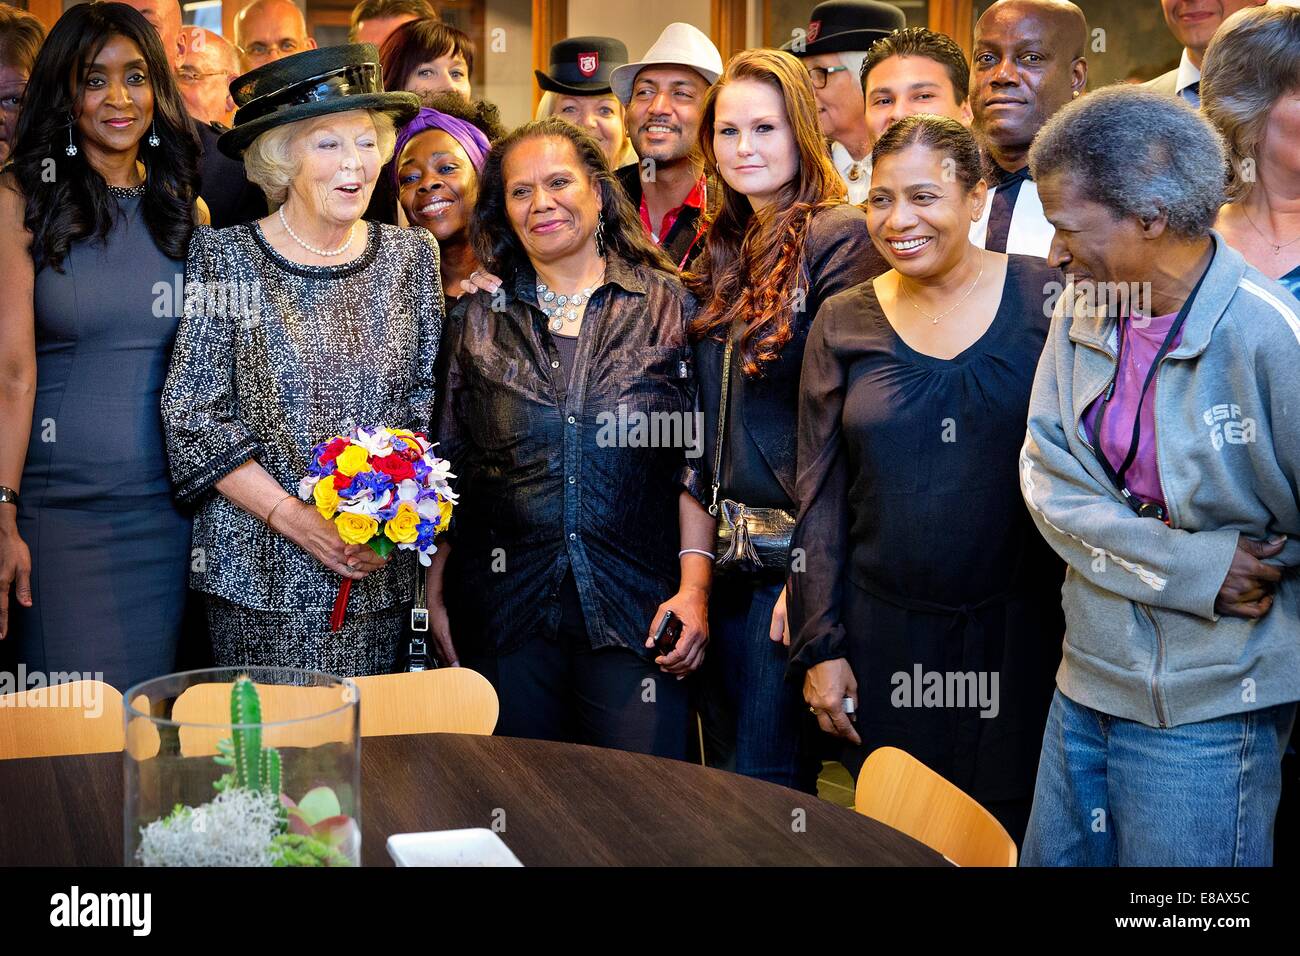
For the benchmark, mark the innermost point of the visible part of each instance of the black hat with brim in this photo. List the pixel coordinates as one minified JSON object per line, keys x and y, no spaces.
{"x":581,"y":66}
{"x":847,"y":26}
{"x":310,"y":84}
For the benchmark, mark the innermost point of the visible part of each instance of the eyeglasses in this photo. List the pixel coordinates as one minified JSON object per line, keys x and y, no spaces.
{"x":194,"y":76}
{"x":820,"y":74}
{"x":286,"y":45}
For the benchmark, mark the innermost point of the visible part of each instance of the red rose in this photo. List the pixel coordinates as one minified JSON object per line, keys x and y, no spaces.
{"x":341,"y":481}
{"x":395,"y":467}
{"x":333,"y":450}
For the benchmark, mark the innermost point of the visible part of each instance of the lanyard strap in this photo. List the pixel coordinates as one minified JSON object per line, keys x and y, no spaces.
{"x":1117,"y":477}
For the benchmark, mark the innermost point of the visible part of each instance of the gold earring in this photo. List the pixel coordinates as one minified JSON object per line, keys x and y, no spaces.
{"x":1076,"y":94}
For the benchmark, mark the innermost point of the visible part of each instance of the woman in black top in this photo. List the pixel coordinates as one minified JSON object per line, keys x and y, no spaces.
{"x":784,"y":240}
{"x":929,"y":598}
{"x":576,"y":527}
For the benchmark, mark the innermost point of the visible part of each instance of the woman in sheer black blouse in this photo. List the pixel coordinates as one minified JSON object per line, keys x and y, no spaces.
{"x":929,"y":598}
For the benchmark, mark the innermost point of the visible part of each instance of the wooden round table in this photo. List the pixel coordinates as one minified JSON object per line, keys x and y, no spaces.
{"x":553,"y":804}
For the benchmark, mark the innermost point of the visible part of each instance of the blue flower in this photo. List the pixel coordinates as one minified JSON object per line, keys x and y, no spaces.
{"x":425,"y":533}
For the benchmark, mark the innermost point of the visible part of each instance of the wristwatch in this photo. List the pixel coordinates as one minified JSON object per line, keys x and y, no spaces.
{"x":8,"y":496}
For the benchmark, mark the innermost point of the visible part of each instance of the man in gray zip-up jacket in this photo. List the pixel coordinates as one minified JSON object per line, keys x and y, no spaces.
{"x":1181,"y":661}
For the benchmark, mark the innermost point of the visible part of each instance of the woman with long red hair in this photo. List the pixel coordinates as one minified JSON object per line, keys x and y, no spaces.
{"x":784,"y":239}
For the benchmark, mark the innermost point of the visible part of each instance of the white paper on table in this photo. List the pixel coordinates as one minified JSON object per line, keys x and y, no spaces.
{"x":472,"y":847}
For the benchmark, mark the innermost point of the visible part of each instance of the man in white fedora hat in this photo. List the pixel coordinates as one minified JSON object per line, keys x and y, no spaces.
{"x":664,"y":95}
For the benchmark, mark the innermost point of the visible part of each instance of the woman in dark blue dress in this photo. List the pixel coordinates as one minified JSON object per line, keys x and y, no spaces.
{"x":95,"y":217}
{"x":929,"y":598}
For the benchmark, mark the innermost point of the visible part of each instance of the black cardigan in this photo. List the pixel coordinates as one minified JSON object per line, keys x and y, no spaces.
{"x":678,"y":242}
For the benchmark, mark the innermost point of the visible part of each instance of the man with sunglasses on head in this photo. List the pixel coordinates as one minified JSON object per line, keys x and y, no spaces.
{"x":839,"y":34}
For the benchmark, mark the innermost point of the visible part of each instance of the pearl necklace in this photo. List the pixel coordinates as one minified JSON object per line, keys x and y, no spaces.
{"x":565,"y":306}
{"x":323,"y":253}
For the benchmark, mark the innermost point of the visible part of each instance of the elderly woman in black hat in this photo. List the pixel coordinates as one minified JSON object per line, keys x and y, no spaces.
{"x":297,"y":328}
{"x":576,"y":88}
{"x":839,"y":34}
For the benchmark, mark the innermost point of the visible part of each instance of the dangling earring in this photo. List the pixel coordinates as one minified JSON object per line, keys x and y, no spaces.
{"x":600,"y":236}
{"x":153,"y":134}
{"x":71,"y":148}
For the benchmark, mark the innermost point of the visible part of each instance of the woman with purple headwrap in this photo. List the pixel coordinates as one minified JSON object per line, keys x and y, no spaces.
{"x":436,"y":169}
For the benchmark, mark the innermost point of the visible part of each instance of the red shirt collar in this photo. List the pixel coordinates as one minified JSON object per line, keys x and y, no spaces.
{"x":694,"y":199}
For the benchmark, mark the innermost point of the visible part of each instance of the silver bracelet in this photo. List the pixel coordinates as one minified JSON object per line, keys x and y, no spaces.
{"x":707,"y":554}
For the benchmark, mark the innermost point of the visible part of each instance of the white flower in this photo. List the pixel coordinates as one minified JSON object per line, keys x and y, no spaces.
{"x":407,"y":489}
{"x":439,"y":469}
{"x":306,"y":486}
{"x":378,"y":443}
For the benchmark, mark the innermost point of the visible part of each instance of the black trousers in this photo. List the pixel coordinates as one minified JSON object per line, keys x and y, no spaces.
{"x":564,"y":690}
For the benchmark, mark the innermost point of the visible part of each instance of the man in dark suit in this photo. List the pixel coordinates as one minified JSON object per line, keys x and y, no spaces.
{"x":1193,"y":22}
{"x":230,"y":197}
{"x":1028,"y":63}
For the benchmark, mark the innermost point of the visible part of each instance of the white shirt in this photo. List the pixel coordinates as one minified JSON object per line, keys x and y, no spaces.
{"x":855,"y":173}
{"x":1030,"y":233}
{"x":1187,"y":75}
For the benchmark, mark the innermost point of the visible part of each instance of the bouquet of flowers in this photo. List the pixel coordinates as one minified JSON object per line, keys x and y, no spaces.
{"x":382,"y":487}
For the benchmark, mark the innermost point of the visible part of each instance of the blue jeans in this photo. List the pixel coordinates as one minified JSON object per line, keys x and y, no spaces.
{"x":1114,"y":792}
{"x":753,"y":719}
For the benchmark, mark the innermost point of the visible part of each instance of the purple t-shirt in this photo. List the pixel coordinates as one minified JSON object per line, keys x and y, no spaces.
{"x":1142,"y":339}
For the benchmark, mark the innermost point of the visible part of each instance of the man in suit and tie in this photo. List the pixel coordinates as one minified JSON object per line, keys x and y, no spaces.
{"x":1193,"y":22}
{"x":1028,"y":63}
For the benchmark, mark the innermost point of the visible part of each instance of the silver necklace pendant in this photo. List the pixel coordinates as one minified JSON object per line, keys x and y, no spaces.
{"x":556,"y":325}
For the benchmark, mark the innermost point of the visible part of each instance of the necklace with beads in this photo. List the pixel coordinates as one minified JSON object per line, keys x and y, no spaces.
{"x":126,"y":192}
{"x":323,"y":253}
{"x":559,"y":308}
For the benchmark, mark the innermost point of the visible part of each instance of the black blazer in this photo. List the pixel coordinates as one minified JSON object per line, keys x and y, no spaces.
{"x":838,"y":255}
{"x":678,"y":243}
{"x":231,"y":198}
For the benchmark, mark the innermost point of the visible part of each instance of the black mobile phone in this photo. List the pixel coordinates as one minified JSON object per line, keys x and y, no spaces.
{"x":669,"y":630}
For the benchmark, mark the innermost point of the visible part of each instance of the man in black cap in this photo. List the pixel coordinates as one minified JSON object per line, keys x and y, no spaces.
{"x":836,"y":42}
{"x":1028,"y":63}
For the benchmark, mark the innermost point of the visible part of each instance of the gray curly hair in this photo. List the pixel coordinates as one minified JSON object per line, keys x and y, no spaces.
{"x":1139,"y":152}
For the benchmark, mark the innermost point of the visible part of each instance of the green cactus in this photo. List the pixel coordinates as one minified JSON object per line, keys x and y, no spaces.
{"x":255,"y":768}
{"x":246,"y":708}
{"x":271,"y":771}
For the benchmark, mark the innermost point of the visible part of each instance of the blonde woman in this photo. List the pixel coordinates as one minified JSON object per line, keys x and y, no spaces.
{"x":1250,"y":90}
{"x":576,"y":88}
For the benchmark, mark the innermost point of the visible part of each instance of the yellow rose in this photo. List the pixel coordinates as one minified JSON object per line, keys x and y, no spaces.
{"x":355,"y":528}
{"x":353,"y":460}
{"x":327,"y":497}
{"x":401,"y":528}
{"x":444,"y":513}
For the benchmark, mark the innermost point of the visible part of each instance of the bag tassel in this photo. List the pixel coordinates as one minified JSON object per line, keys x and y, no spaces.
{"x":740,"y":551}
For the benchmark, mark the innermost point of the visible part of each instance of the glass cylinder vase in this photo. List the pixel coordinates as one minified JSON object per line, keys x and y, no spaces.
{"x":255,"y":766}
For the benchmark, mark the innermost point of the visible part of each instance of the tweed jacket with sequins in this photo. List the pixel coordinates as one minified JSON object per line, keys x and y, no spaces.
{"x":272,"y":357}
